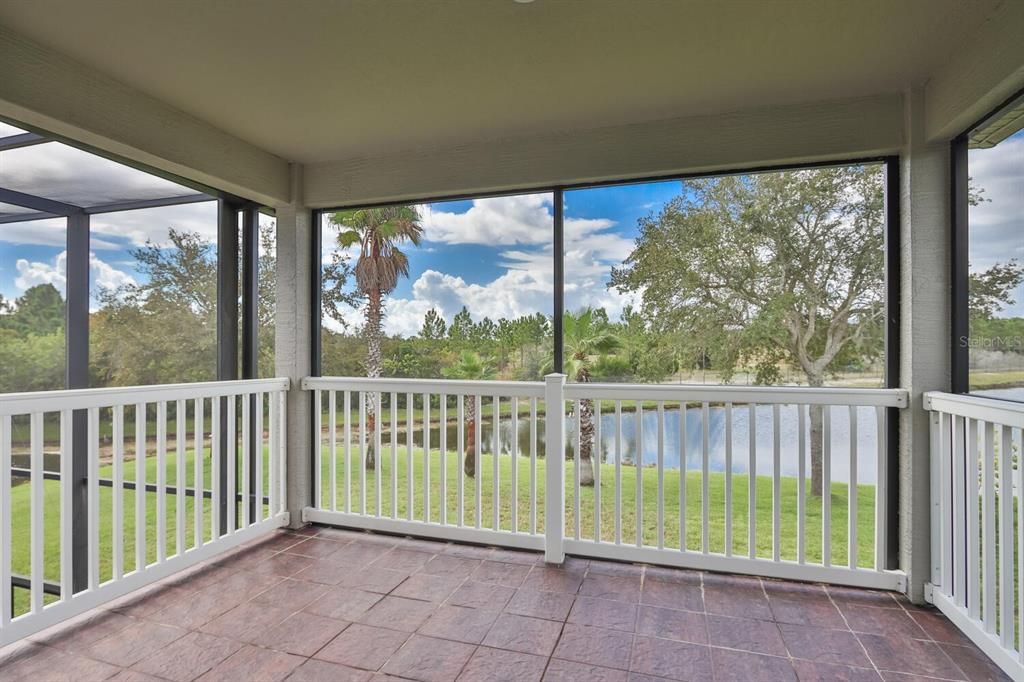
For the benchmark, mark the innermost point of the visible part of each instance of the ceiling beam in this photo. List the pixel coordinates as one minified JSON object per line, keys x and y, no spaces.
{"x":25,"y":217}
{"x":824,"y":131}
{"x":21,"y":140}
{"x":46,"y":90}
{"x":982,"y":73}
{"x":114,"y":207}
{"x":10,"y":196}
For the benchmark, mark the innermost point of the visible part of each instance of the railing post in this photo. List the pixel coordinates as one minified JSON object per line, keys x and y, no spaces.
{"x":554,"y":459}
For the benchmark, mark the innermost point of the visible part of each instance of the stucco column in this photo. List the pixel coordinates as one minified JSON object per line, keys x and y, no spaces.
{"x":925,"y":327}
{"x":292,"y":337}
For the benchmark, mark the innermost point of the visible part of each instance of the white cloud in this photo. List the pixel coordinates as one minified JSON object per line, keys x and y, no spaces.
{"x":101,"y":273}
{"x":520,"y":219}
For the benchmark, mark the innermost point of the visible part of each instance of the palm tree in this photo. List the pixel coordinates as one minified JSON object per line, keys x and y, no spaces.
{"x":378,"y":231}
{"x":585,"y":337}
{"x":474,"y":367}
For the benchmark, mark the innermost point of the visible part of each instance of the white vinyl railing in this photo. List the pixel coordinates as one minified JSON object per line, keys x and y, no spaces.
{"x":706,"y":477}
{"x":977,"y":518}
{"x":130,"y":485}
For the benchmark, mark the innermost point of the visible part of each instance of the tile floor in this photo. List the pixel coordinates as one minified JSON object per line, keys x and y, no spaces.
{"x":326,"y":604}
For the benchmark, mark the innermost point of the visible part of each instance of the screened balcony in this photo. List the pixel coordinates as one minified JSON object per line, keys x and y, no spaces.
{"x":520,"y":348}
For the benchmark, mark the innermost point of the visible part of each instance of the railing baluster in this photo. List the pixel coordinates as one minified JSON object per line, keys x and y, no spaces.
{"x":1020,"y":541}
{"x":460,"y":446}
{"x":332,"y":427}
{"x":826,"y":485}
{"x":199,"y":473}
{"x":661,"y":474}
{"x":117,"y":494}
{"x":409,"y":439}
{"x":215,"y":471}
{"x":752,"y":480}
{"x":36,"y":528}
{"x":638,"y":463}
{"x":576,"y":468}
{"x":318,"y":470}
{"x":852,"y":493}
{"x":959,"y":507}
{"x":880,"y":492}
{"x":377,"y":449}
{"x":477,"y":446}
{"x":347,"y":406}
{"x":140,"y":486}
{"x":495,"y":461}
{"x":362,"y":453}
{"x":258,"y":459}
{"x":533,"y":464}
{"x":728,"y":479}
{"x":776,"y":486}
{"x":705,"y":475}
{"x":394,"y":455}
{"x":801,"y":490}
{"x":161,"y":481}
{"x":618,"y":472}
{"x":282,"y":448}
{"x":1006,"y":586}
{"x":6,"y":604}
{"x":442,"y":433}
{"x":179,"y":482}
{"x":67,"y":488}
{"x":426,"y":457}
{"x":683,"y":435}
{"x":946,"y":502}
{"x":232,"y":459}
{"x":597,"y":462}
{"x":513,"y":454}
{"x":93,"y":492}
{"x":989,"y":534}
{"x":973,"y":523}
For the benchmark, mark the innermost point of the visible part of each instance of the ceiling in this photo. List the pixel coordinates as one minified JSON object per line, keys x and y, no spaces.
{"x":314,"y":80}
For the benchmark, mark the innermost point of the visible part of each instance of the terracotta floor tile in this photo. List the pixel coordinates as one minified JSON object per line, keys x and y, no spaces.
{"x":362,"y":646}
{"x":283,"y":565}
{"x":343,"y":603}
{"x":615,"y":568}
{"x":603,"y":613}
{"x":553,"y":580}
{"x":938,"y":627}
{"x":459,"y":624}
{"x":604,"y":648}
{"x":398,"y":614}
{"x":76,"y":637}
{"x":740,"y":666}
{"x":322,"y":671}
{"x":498,"y":573}
{"x":549,"y":605}
{"x":783,"y":589}
{"x":131,"y":645}
{"x":746,"y":634}
{"x":673,"y":595}
{"x":400,"y":559}
{"x":673,"y":660}
{"x":450,"y":566}
{"x":134,"y":676}
{"x":739,"y":602}
{"x":280,"y":542}
{"x":427,"y":587}
{"x":487,"y":665}
{"x":51,"y":665}
{"x":468,"y":551}
{"x":517,"y":556}
{"x":373,"y":579}
{"x":301,"y":633}
{"x":823,"y":645}
{"x":188,"y":657}
{"x":571,"y":671}
{"x":853,"y":596}
{"x":686,"y":626}
{"x":291,"y":594}
{"x":246,"y":622}
{"x":429,"y":660}
{"x":325,"y":571}
{"x":149,"y":602}
{"x":525,"y":635}
{"x":619,"y":588}
{"x":481,"y":596}
{"x":810,"y":671}
{"x":974,"y":664}
{"x":877,"y":621}
{"x":253,"y":663}
{"x":805,"y":611}
{"x":197,"y":609}
{"x":358,"y":553}
{"x":679,"y":576}
{"x":315,"y":548}
{"x":909,"y":656}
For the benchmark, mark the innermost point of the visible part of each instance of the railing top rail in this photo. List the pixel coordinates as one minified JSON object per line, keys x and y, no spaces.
{"x":76,"y":399}
{"x":784,"y":395}
{"x":519,"y":389}
{"x":994,"y":410}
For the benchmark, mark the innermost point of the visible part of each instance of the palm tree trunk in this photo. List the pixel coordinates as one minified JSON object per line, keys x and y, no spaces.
{"x":469,"y":463}
{"x":373,"y":369}
{"x":586,"y":442}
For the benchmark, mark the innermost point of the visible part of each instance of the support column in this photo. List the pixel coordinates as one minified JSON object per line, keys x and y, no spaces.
{"x":293,"y":337}
{"x":76,"y":364}
{"x":925,"y":327}
{"x":227,"y":342}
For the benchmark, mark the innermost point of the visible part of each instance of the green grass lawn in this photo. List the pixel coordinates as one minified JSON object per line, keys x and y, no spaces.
{"x":509,"y":499}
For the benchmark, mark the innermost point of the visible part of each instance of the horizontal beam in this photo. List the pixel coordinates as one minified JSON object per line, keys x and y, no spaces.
{"x":10,"y":196}
{"x":980,"y":75}
{"x":26,"y":217}
{"x":116,"y":206}
{"x":825,"y":131}
{"x":22,"y":140}
{"x":46,"y":90}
